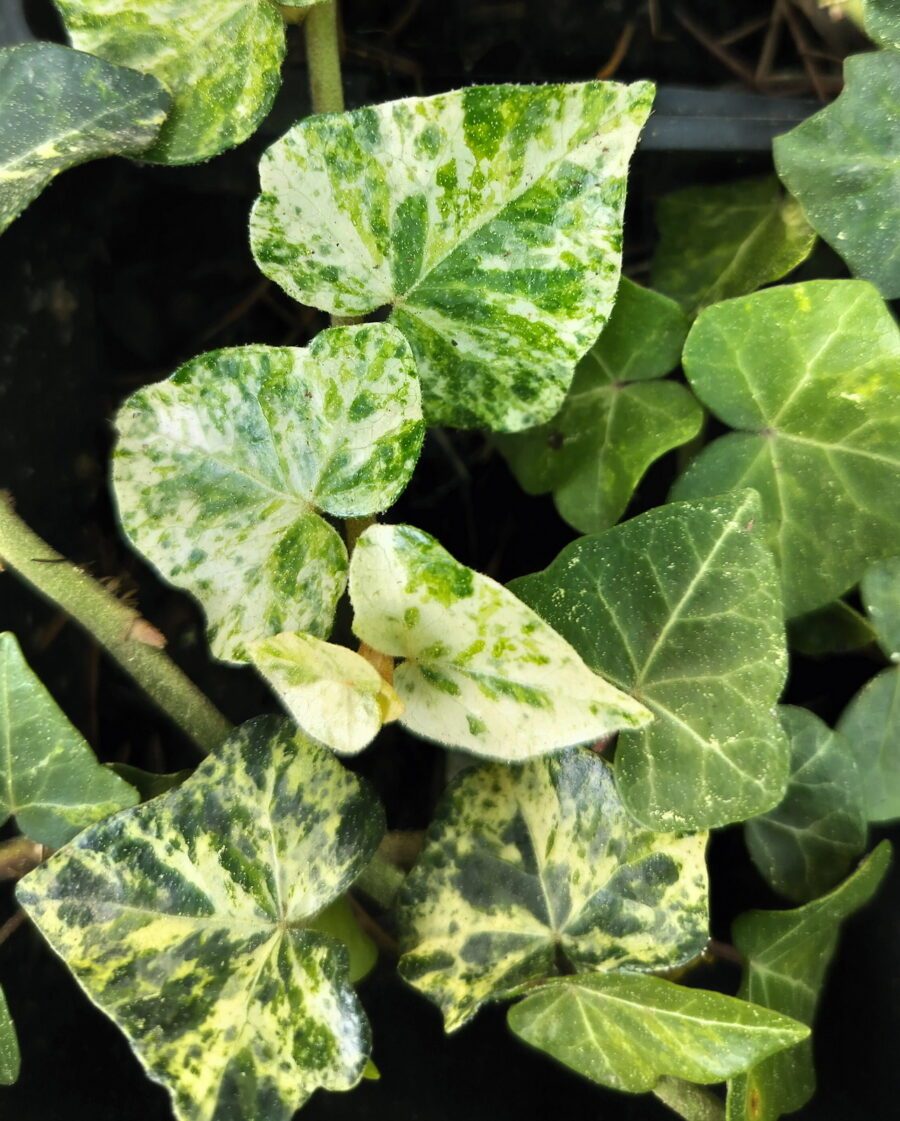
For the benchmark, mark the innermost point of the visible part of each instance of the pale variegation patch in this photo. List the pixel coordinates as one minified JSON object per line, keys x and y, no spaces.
{"x":334,"y":694}
{"x":531,"y":868}
{"x":490,"y":219}
{"x":482,"y":671}
{"x":220,"y":470}
{"x":192,"y":922}
{"x":49,"y":779}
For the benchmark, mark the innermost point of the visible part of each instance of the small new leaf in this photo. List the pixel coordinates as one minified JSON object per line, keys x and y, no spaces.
{"x":880,"y":591}
{"x":482,"y":671}
{"x":628,"y":1032}
{"x":871,"y":723}
{"x":9,"y":1046}
{"x":526,"y":868}
{"x":49,"y":779}
{"x":489,"y":219}
{"x":193,"y":921}
{"x":220,"y":470}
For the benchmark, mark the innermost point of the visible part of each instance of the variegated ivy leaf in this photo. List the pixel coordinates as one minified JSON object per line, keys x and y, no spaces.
{"x":628,"y":1032}
{"x":871,"y":722}
{"x":482,"y":671}
{"x":809,"y":374}
{"x":336,"y":696}
{"x":535,"y":869}
{"x":49,"y":779}
{"x":681,"y":608}
{"x":9,"y":1046}
{"x":193,"y":922}
{"x":616,"y":420}
{"x":489,"y":219}
{"x":220,"y":60}
{"x":880,"y":590}
{"x":60,"y":108}
{"x":219,"y":473}
{"x":787,"y":954}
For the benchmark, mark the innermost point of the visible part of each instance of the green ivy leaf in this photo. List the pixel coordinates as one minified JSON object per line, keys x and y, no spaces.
{"x":10,"y":1059}
{"x":882,"y":20}
{"x":482,"y":671}
{"x":192,"y":922}
{"x":681,"y":608}
{"x":489,"y":218}
{"x":843,"y":164}
{"x":809,"y":841}
{"x":727,"y":240}
{"x":220,"y":470}
{"x":788,"y":953}
{"x":49,"y":779}
{"x":617,"y":419}
{"x":336,"y":696}
{"x":880,"y":590}
{"x":526,"y":869}
{"x":809,"y":374}
{"x":628,"y":1032}
{"x":871,"y":722}
{"x":339,"y":922}
{"x":148,"y":784}
{"x":836,"y":628}
{"x":220,"y":60}
{"x":61,"y":108}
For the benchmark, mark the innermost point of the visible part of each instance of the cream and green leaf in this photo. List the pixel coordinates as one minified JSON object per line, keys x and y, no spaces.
{"x":617,"y":419}
{"x":628,"y":1032}
{"x":727,"y":240}
{"x":220,"y":473}
{"x":808,"y":374}
{"x":333,"y":693}
{"x":681,"y":608}
{"x":533,"y":869}
{"x":9,"y":1046}
{"x":50,"y":780}
{"x":488,"y":219}
{"x":787,"y":954}
{"x":811,"y":839}
{"x":481,"y":671}
{"x":219,"y":59}
{"x":194,"y":921}
{"x":880,"y":591}
{"x":60,"y":108}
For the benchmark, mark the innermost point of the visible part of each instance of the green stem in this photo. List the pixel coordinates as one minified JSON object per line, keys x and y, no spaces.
{"x":691,"y":1102}
{"x":323,"y":58}
{"x":119,"y":629}
{"x":381,"y":880}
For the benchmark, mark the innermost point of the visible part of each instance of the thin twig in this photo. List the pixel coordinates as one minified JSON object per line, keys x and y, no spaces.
{"x":11,"y":926}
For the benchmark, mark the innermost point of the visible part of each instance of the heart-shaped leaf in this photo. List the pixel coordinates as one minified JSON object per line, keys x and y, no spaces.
{"x":336,"y":696}
{"x":482,"y":671}
{"x":727,"y":240}
{"x":192,"y":921}
{"x":843,"y":164}
{"x":219,"y":472}
{"x":880,"y":590}
{"x":809,"y":841}
{"x":220,"y":60}
{"x":489,"y":218}
{"x":617,"y":419}
{"x":9,"y":1046}
{"x":681,"y":608}
{"x":871,"y":722}
{"x":787,"y":955}
{"x":534,"y":868}
{"x":809,"y":374}
{"x":628,"y":1032}
{"x":49,"y":779}
{"x":60,"y":108}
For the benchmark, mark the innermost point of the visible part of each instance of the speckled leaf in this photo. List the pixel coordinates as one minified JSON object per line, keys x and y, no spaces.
{"x":809,"y":373}
{"x":60,"y":108}
{"x":220,"y":60}
{"x":882,"y":21}
{"x":9,"y":1046}
{"x":810,"y":841}
{"x":489,"y":219}
{"x":526,"y":868}
{"x":219,"y":472}
{"x":787,"y":954}
{"x":628,"y":1032}
{"x":843,"y":164}
{"x":871,"y":722}
{"x":836,"y":628}
{"x":616,"y":419}
{"x":727,"y":240}
{"x":681,"y":608}
{"x":192,"y":922}
{"x":482,"y":671}
{"x":49,"y":779}
{"x":880,"y":590}
{"x":336,"y":696}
